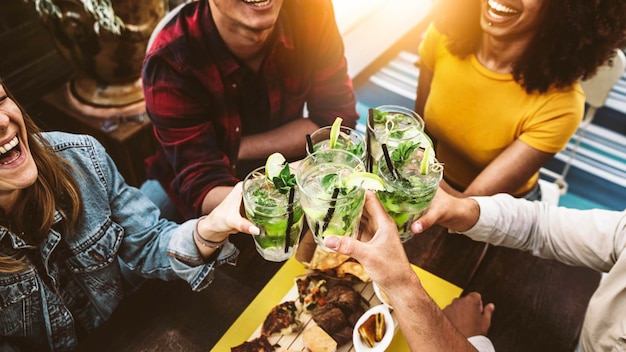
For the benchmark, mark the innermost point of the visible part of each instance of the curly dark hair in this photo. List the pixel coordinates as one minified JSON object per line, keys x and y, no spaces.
{"x":573,"y":40}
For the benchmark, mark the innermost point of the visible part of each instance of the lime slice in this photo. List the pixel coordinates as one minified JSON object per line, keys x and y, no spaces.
{"x":274,"y":165}
{"x":334,"y":132}
{"x":427,"y":160}
{"x":364,"y":180}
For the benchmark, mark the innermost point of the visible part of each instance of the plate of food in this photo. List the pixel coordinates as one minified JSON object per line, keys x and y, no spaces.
{"x":316,"y":315}
{"x":320,"y":311}
{"x":374,"y":330}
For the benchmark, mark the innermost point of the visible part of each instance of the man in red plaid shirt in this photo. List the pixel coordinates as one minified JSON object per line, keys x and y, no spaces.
{"x":226,"y":83}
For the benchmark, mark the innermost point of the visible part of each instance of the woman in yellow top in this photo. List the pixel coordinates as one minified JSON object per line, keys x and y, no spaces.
{"x":498,"y":85}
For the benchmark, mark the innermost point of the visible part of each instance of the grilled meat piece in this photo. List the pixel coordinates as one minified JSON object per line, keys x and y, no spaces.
{"x":260,"y":344}
{"x":282,"y":318}
{"x":346,"y":298}
{"x":329,"y":318}
{"x":343,"y":308}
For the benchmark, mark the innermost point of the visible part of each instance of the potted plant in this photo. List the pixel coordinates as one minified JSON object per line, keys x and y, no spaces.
{"x":101,"y":10}
{"x":105,"y":41}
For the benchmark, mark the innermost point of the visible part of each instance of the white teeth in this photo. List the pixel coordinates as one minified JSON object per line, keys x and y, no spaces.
{"x":501,"y":8}
{"x":10,"y":145}
{"x":257,"y":2}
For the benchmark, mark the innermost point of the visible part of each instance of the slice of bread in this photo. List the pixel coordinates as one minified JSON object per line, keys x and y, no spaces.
{"x":380,"y":326}
{"x":373,"y":329}
{"x":367,"y":331}
{"x":317,"y":340}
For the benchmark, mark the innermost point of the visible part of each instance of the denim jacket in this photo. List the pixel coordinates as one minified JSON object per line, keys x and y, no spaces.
{"x":75,"y":282}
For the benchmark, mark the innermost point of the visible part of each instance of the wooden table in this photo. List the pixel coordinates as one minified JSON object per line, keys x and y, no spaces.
{"x":128,"y":145}
{"x":540,"y":304}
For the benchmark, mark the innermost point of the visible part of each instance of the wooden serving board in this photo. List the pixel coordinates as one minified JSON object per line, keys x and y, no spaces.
{"x":281,"y":287}
{"x":293,"y":342}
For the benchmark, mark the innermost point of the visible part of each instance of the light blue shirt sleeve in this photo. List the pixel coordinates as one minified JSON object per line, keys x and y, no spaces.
{"x":183,"y":252}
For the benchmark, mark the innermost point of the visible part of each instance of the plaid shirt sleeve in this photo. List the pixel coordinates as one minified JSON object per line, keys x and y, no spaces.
{"x":193,"y":145}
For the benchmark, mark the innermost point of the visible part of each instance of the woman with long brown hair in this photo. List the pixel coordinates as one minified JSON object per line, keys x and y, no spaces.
{"x":71,"y":230}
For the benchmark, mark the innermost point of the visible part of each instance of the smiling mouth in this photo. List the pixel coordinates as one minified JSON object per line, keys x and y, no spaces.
{"x":10,"y":151}
{"x":499,"y":10}
{"x":258,"y":3}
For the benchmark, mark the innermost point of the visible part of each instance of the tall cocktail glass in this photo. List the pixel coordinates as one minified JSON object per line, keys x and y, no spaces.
{"x":331,"y":208}
{"x":278,"y":214}
{"x":390,"y":125}
{"x":349,"y":140}
{"x":409,"y":189}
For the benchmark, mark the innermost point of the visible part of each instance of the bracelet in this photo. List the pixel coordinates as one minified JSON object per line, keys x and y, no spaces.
{"x":206,"y":243}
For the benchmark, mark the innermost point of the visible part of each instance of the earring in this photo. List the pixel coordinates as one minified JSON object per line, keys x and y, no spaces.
{"x":489,"y":24}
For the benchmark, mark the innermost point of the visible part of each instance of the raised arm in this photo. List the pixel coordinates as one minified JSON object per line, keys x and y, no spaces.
{"x":592,"y":238}
{"x":259,"y":146}
{"x":423,"y":324}
{"x":508,"y":171}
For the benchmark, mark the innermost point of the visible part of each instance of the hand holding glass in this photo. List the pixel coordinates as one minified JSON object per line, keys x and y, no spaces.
{"x":330,"y":206}
{"x":410,"y":185}
{"x":277,"y":213}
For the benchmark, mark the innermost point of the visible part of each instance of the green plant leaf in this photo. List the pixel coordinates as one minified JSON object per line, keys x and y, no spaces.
{"x":379,"y":116}
{"x":403,"y":152}
{"x":285,"y":180}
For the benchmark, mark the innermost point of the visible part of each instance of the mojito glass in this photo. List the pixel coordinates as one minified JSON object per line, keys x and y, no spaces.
{"x":277,"y":213}
{"x":349,"y":140}
{"x":391,"y":125}
{"x":409,"y":189}
{"x":331,"y":208}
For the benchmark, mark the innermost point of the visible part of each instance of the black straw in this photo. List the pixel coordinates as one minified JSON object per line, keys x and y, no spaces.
{"x":309,"y":143}
{"x":289,"y":219}
{"x":392,"y":170}
{"x":368,"y":143}
{"x":331,"y":209}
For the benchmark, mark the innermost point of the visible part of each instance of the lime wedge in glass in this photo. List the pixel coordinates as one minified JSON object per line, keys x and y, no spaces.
{"x":427,"y":160}
{"x":334,"y":132}
{"x":364,"y":180}
{"x":274,"y":164}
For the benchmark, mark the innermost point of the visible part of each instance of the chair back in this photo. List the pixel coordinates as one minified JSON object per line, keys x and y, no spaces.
{"x":168,"y":17}
{"x":597,"y":88}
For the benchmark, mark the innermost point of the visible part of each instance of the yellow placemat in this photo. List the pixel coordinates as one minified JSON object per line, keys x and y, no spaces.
{"x":441,"y":291}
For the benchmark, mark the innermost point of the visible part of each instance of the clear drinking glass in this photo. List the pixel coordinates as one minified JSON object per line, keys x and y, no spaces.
{"x":278,"y":215}
{"x":330,"y":207}
{"x":391,"y":125}
{"x":349,"y":140}
{"x":409,"y":192}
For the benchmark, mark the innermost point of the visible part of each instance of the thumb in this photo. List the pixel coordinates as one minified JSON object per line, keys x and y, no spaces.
{"x":246,"y":226}
{"x":343,"y":245}
{"x":424,"y":222}
{"x":488,"y":310}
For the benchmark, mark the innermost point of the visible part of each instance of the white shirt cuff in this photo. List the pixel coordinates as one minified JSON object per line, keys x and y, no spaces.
{"x":481,"y":343}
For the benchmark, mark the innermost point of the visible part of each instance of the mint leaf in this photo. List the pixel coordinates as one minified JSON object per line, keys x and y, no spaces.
{"x":263,"y":198}
{"x":397,"y":134}
{"x":285,"y":180}
{"x":379,"y":116}
{"x":329,"y":181}
{"x":403,"y":152}
{"x":356,"y":149}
